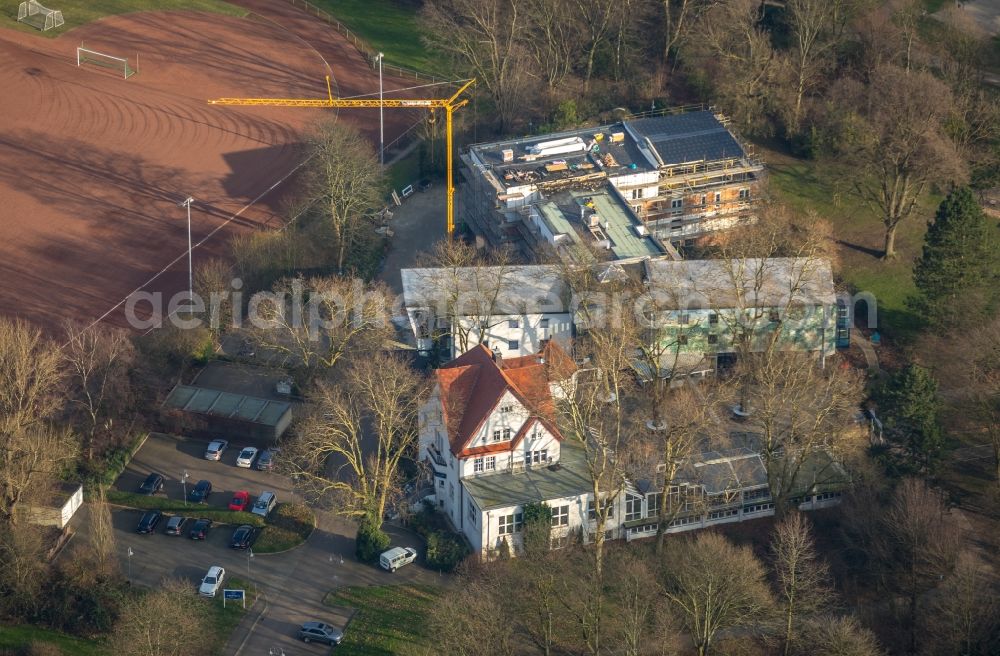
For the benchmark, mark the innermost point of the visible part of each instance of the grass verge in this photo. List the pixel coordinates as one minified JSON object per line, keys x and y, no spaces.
{"x":15,"y":638}
{"x":225,"y":620}
{"x":175,"y":507}
{"x":390,"y":619}
{"x":389,"y":26}
{"x":81,"y":12}
{"x":288,"y":526}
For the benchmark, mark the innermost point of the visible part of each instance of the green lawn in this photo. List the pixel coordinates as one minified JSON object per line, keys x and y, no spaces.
{"x":390,"y":619}
{"x":388,"y":26}
{"x":13,"y":638}
{"x":225,"y":620}
{"x":288,"y":526}
{"x":79,"y":12}
{"x":826,"y":188}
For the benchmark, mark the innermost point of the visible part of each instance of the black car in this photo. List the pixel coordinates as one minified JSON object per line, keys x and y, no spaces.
{"x":320,"y":632}
{"x":201,"y":491}
{"x":265,"y":461}
{"x":149,"y":521}
{"x":243,"y":537}
{"x":200,"y":529}
{"x":175,"y":525}
{"x":152,"y":484}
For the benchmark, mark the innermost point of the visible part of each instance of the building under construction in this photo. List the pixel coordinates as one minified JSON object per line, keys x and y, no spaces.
{"x":660,"y":180}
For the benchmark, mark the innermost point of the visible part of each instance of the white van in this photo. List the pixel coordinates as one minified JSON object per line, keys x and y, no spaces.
{"x":264,"y":504}
{"x":396,"y":557}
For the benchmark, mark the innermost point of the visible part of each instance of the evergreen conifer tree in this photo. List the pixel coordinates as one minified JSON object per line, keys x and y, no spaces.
{"x":909,"y":405}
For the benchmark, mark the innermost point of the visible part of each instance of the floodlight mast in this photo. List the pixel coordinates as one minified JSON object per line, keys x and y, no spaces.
{"x":449,"y":105}
{"x":187,"y":203}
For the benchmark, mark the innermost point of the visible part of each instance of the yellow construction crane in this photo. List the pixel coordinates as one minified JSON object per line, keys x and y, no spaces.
{"x":448,"y":104}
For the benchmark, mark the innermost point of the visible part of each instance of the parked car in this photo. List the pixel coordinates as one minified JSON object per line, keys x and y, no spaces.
{"x":424,"y":185}
{"x":241,"y":500}
{"x":266,"y":460}
{"x":152,"y":484}
{"x":264,"y":504}
{"x":396,"y":557}
{"x":200,"y":529}
{"x":212,"y":581}
{"x":246,"y":457}
{"x":320,"y":632}
{"x":175,"y":525}
{"x":215,"y":449}
{"x":201,"y":491}
{"x":243,"y":537}
{"x":149,"y":521}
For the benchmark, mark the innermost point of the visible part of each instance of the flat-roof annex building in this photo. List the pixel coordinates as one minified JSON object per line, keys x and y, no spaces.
{"x":625,"y":189}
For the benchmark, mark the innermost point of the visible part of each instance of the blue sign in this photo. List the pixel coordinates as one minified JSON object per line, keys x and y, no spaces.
{"x":441,"y":474}
{"x":233,"y":594}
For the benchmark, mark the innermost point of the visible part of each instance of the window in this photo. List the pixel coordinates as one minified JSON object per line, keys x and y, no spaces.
{"x":682,"y":339}
{"x":451,"y":491}
{"x":491,"y":463}
{"x":713,"y":339}
{"x":684,"y":319}
{"x":609,"y":507}
{"x":560,"y":516}
{"x":513,"y":323}
{"x":704,"y":199}
{"x":676,"y":203}
{"x":718,"y":198}
{"x":713,"y":319}
{"x":511,"y":523}
{"x":472,"y":512}
{"x":496,"y":435}
{"x":774,"y":316}
{"x":477,"y":465}
{"x":506,"y":433}
{"x":506,"y":408}
{"x":633,"y":507}
{"x":744,"y":194}
{"x":653,"y":504}
{"x":512,"y":345}
{"x":536,"y":457}
{"x":635,"y":194}
{"x":559,"y":542}
{"x":544,"y":323}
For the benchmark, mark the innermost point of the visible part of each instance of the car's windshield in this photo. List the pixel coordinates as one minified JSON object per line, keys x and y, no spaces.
{"x":260,"y":504}
{"x":209,"y":579}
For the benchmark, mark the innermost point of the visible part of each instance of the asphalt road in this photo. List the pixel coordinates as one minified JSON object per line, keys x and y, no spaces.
{"x":294,"y":583}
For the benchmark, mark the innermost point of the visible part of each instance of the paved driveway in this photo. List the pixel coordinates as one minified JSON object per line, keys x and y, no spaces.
{"x":294,"y":583}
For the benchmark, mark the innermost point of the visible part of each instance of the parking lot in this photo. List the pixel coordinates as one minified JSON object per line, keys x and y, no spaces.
{"x":294,"y":583}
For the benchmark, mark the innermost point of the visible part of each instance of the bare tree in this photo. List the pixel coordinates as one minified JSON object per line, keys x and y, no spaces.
{"x":915,"y":546}
{"x":734,"y":54}
{"x":165,"y":621}
{"x":23,"y":569}
{"x":836,"y":636}
{"x":475,"y":618}
{"x":714,"y":585}
{"x":803,"y":579}
{"x":964,"y":617}
{"x":349,"y":448}
{"x":102,"y":531}
{"x":638,"y":619}
{"x":903,"y":146}
{"x":213,"y":280}
{"x":596,"y":20}
{"x":486,"y":38}
{"x":553,"y":50}
{"x":344,"y":179}
{"x":99,"y":360}
{"x":315,"y":322}
{"x":30,"y":376}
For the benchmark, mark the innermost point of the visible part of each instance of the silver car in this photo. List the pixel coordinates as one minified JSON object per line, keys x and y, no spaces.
{"x":215,"y":449}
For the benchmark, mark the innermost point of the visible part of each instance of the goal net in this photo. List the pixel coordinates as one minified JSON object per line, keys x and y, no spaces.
{"x":34,"y":14}
{"x":119,"y":64}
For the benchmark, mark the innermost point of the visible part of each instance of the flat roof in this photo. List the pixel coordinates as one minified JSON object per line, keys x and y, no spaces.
{"x":530,"y":288}
{"x":771,"y":282}
{"x":226,"y":404}
{"x":688,"y":137}
{"x":533,"y":484}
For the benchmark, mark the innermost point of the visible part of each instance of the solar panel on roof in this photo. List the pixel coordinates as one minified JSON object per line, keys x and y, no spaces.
{"x":688,"y":137}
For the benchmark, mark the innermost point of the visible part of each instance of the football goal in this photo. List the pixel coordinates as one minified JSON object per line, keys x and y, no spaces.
{"x":118,"y":64}
{"x":34,"y":14}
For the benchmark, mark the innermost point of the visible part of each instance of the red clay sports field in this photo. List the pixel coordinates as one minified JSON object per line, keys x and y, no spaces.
{"x":92,"y":166}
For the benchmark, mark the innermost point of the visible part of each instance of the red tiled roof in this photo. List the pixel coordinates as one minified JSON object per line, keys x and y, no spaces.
{"x":473,"y":384}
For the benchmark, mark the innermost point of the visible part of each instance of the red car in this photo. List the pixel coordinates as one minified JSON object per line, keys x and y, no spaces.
{"x":240,"y":500}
